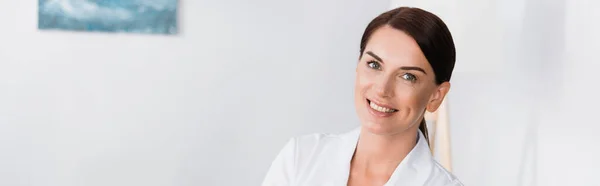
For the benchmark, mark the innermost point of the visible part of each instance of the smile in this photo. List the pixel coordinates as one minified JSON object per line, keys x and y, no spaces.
{"x":380,"y":108}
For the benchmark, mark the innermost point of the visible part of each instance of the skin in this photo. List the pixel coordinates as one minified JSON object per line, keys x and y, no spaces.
{"x":394,"y":72}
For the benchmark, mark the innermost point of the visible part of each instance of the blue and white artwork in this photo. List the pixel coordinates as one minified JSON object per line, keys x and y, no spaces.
{"x":135,"y":16}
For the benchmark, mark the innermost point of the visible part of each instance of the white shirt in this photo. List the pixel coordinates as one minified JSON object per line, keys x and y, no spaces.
{"x":324,"y":160}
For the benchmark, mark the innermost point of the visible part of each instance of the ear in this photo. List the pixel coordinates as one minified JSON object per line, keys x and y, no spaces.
{"x":438,"y":96}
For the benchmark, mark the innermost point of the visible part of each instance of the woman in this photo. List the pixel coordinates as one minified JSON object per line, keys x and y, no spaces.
{"x":406,"y":59}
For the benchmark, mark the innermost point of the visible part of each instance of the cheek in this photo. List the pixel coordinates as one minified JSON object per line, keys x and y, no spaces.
{"x":411,"y":97}
{"x":363,"y":81}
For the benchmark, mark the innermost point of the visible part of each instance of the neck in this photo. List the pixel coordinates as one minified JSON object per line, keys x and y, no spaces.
{"x":381,"y":154}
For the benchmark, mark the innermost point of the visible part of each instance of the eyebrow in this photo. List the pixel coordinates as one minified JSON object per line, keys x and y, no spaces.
{"x":414,"y":68}
{"x":403,"y":68}
{"x":374,"y":56}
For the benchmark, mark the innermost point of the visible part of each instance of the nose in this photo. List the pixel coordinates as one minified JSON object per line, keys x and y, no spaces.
{"x":384,"y":87}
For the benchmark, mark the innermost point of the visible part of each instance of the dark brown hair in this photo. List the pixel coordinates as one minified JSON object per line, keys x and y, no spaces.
{"x":430,"y":33}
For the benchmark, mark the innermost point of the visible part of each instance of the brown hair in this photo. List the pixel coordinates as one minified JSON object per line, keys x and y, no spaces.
{"x":430,"y":33}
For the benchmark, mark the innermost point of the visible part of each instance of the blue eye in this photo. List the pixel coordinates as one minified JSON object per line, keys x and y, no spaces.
{"x":374,"y":65}
{"x":409,"y":77}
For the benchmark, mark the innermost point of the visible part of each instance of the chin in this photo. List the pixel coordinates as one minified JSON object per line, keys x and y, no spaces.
{"x":379,"y":128}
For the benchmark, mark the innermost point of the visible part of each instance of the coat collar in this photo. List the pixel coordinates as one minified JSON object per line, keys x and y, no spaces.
{"x":414,"y":168}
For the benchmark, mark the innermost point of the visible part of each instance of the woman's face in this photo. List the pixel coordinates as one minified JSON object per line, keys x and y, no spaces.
{"x":395,"y":83}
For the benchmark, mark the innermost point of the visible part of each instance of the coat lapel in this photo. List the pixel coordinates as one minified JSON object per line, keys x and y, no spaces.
{"x":350,"y":140}
{"x":415,"y":168}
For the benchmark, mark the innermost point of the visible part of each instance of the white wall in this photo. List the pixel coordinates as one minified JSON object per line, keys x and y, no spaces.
{"x":199,"y":108}
{"x":569,"y":148}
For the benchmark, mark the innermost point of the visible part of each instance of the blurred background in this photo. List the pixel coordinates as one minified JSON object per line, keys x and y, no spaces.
{"x":213,"y":104}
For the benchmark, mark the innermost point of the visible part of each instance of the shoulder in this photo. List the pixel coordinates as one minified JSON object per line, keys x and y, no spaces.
{"x":313,"y":141}
{"x":320,"y":140}
{"x":320,"y":145}
{"x":440,"y":176}
{"x":299,"y":151}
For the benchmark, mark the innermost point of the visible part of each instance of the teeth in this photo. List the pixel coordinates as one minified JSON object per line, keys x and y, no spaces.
{"x":380,"y":108}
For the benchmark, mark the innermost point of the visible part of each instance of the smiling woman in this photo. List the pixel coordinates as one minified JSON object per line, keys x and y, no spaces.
{"x":407,"y":56}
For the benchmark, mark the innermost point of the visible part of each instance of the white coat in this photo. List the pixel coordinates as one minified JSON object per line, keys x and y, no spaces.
{"x":324,"y":160}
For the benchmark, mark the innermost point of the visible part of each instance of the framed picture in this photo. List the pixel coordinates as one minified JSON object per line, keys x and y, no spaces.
{"x":132,"y":16}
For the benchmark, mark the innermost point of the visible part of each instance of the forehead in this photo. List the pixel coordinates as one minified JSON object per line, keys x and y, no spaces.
{"x":394,"y":46}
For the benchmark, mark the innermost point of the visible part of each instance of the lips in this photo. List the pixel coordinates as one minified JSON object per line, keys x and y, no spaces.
{"x":381,"y":107}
